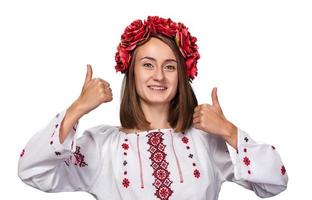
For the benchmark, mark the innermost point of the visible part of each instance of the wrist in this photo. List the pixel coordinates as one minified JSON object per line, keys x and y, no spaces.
{"x":230,"y":134}
{"x":75,"y":111}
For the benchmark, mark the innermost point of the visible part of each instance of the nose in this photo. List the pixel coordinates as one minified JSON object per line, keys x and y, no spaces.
{"x":158,"y":74}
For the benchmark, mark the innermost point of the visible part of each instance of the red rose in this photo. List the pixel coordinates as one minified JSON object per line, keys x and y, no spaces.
{"x":134,"y":34}
{"x":121,"y":57}
{"x":161,"y":25}
{"x":188,"y":48}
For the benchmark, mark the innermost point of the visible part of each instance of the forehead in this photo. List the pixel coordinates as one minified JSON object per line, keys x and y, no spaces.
{"x":155,"y":48}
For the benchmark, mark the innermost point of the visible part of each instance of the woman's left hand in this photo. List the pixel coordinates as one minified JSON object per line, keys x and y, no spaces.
{"x":210,"y":118}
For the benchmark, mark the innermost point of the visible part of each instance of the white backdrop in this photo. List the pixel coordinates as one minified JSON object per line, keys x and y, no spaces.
{"x":258,"y":54}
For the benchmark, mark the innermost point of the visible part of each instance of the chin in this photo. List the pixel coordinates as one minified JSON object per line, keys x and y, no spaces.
{"x":157,"y":100}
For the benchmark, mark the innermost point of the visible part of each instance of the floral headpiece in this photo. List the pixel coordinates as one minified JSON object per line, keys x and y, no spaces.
{"x":138,"y":32}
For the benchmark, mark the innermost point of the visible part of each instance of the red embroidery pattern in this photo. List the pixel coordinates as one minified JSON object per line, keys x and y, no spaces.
{"x":22,"y":153}
{"x":185,"y":140}
{"x":51,"y":138}
{"x":196,"y":172}
{"x":283,"y":170}
{"x":159,"y":164}
{"x":246,"y":161}
{"x":125,"y":146}
{"x":78,"y":158}
{"x":125,"y":182}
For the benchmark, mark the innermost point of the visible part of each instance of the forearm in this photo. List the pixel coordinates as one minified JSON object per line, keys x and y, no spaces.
{"x":72,"y":116}
{"x":230,"y":134}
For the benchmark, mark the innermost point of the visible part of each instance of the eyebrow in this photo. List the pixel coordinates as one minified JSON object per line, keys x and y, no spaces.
{"x":153,"y":59}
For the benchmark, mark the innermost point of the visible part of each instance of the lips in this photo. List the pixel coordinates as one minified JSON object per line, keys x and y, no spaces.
{"x":157,"y":87}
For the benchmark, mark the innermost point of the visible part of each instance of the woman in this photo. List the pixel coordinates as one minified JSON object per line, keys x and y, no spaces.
{"x":167,"y":147}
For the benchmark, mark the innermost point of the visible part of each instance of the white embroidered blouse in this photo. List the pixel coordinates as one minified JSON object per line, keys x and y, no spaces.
{"x":156,"y":164}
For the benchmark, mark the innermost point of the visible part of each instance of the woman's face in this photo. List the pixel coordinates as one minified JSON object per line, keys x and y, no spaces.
{"x":155,"y":72}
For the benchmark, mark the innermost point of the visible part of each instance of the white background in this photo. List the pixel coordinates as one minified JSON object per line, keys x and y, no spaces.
{"x":258,"y":54}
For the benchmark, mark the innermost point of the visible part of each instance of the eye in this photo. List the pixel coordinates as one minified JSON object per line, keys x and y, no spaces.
{"x":170,"y":67}
{"x":148,"y":65}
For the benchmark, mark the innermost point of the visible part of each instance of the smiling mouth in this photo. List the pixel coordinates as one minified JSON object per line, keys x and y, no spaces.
{"x":157,"y":87}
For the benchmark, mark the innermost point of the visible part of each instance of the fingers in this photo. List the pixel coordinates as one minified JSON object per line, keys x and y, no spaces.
{"x":88,"y":74}
{"x":196,"y":120}
{"x":214,"y":97}
{"x":202,"y":107}
{"x":200,"y":111}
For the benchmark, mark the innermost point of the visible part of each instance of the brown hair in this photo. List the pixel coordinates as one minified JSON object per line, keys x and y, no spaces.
{"x":181,"y":106}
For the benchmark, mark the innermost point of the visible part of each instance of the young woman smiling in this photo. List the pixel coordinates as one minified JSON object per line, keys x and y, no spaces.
{"x":167,"y":147}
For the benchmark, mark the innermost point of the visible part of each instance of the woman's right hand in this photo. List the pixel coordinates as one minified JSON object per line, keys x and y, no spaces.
{"x":95,"y":91}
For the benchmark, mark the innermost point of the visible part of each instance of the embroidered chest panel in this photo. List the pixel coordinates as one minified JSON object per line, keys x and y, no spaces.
{"x":155,"y":149}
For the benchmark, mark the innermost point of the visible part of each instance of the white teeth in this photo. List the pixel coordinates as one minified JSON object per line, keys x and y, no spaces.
{"x":157,"y":87}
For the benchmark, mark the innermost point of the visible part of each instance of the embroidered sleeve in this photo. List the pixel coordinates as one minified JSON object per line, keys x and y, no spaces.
{"x":50,"y":166}
{"x":255,"y":166}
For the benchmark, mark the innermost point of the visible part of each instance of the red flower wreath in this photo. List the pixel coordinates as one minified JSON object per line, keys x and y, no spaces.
{"x":138,"y":32}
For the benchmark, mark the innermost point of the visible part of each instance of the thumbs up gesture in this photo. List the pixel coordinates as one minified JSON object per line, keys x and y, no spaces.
{"x":95,"y":91}
{"x":210,"y":118}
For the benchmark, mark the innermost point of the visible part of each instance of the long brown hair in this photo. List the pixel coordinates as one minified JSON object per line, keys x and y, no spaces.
{"x":181,"y":107}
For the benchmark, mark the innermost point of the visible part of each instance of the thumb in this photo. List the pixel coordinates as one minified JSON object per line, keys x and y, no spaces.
{"x":88,"y":75}
{"x":214,"y":97}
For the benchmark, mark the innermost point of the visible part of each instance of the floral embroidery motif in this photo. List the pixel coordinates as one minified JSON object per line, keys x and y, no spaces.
{"x":125,"y":182}
{"x":159,"y":164}
{"x":51,"y":140}
{"x":185,"y":140}
{"x":79,"y":158}
{"x":22,"y":153}
{"x":196,"y":172}
{"x":246,"y":161}
{"x":246,"y":139}
{"x":283,"y":170}
{"x":125,"y":146}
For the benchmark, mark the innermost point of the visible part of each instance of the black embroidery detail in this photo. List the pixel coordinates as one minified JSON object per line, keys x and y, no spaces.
{"x":77,"y":158}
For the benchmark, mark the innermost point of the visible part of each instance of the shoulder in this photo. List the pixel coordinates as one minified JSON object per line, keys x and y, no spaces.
{"x":208,"y":139}
{"x":102,"y":133}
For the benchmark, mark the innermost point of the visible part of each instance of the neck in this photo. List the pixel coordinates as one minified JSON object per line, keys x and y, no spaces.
{"x":157,"y":115}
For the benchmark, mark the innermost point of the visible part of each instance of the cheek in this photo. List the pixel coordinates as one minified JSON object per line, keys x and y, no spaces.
{"x":140,"y":79}
{"x":176,"y":80}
